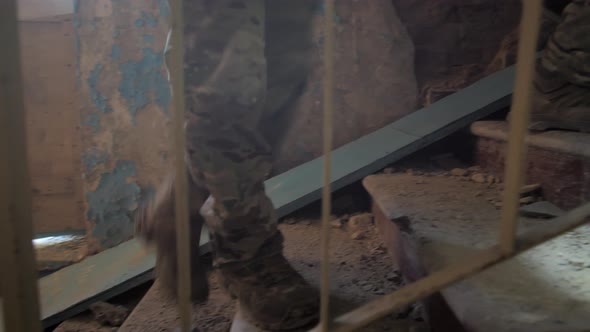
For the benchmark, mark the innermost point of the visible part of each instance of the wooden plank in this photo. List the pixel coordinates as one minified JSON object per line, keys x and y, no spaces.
{"x":115,"y":269}
{"x":300,"y":186}
{"x":327,"y":133}
{"x":56,"y":213}
{"x":53,"y":118}
{"x":2,"y":329}
{"x":175,"y":63}
{"x":51,"y":186}
{"x":71,"y":290}
{"x":39,"y":9}
{"x":18,"y":286}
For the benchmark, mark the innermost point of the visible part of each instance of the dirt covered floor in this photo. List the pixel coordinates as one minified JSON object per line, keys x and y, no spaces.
{"x":361,"y":270}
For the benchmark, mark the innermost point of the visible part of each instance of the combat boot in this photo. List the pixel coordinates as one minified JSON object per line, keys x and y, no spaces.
{"x":271,"y":294}
{"x":155,"y":225}
{"x":558,"y":104}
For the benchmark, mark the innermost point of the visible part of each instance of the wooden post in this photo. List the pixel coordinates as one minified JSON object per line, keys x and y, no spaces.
{"x":18,"y":280}
{"x":176,"y":71}
{"x":519,"y":119}
{"x":327,"y":177}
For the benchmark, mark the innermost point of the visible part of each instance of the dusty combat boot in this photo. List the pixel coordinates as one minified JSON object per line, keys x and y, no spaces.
{"x":271,"y":294}
{"x":155,"y":225}
{"x":558,"y":104}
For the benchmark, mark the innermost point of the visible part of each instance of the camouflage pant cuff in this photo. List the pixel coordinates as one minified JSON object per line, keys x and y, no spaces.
{"x":272,"y":246}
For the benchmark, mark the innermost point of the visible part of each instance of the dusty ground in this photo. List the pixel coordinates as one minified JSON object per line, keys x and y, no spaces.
{"x":361,"y":271}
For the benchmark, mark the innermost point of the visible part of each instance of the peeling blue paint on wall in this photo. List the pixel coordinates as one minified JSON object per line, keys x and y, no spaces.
{"x":162,"y":90}
{"x":139,"y":23}
{"x":111,"y":205}
{"x":141,"y":78}
{"x":92,"y":158}
{"x":93,"y":121}
{"x":116,"y":52}
{"x":148,"y":193}
{"x":99,"y":100}
{"x":149,"y":19}
{"x":164,"y":8}
{"x":147,"y":38}
{"x":321,"y":10}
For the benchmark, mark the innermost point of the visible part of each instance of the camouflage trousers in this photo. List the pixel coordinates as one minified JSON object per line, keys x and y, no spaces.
{"x":564,"y":69}
{"x":226,"y":85}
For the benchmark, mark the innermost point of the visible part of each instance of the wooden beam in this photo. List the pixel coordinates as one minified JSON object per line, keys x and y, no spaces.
{"x":18,"y":280}
{"x":519,"y":121}
{"x":73,"y":289}
{"x":327,"y":164}
{"x":175,"y":63}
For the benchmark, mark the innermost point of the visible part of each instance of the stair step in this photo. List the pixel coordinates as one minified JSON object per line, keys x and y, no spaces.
{"x":431,"y":222}
{"x":559,"y":160}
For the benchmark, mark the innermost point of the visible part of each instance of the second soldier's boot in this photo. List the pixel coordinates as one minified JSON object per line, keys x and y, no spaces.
{"x":558,"y":104}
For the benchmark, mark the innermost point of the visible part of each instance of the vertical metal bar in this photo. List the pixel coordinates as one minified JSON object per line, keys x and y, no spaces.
{"x":176,"y":67}
{"x":18,"y":280}
{"x":327,"y":140}
{"x":519,"y":119}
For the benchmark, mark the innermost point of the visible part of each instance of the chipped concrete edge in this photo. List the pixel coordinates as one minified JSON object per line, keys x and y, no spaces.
{"x":560,"y":141}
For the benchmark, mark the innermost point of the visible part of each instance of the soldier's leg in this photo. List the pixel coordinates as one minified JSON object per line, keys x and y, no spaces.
{"x":562,"y":83}
{"x":225,"y":89}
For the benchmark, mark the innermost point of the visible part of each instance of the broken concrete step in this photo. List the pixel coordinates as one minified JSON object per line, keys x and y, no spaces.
{"x":558,"y":160}
{"x":541,"y":209}
{"x":444,"y":221}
